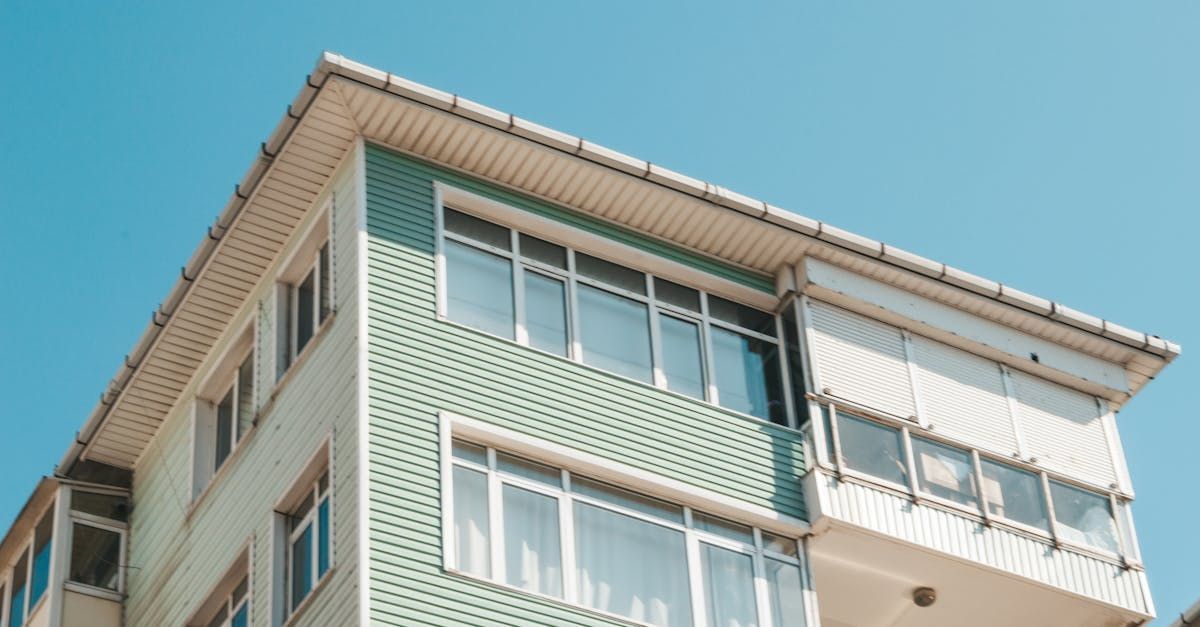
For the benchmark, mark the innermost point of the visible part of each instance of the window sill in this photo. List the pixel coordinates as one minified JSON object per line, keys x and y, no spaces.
{"x":308,"y":601}
{"x":731,"y":413}
{"x":234,"y":456}
{"x":296,"y":365}
{"x":100,"y":593}
{"x":578,"y":607}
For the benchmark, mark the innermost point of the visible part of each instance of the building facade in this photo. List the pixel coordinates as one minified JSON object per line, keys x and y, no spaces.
{"x":436,"y":364}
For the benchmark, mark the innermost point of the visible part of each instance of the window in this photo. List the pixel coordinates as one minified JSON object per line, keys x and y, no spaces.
{"x":626,"y":554}
{"x":575,"y":305}
{"x":304,"y":298}
{"x":31,"y":574}
{"x":871,"y":448}
{"x":1002,"y":492}
{"x":303,"y":540}
{"x":98,"y":527}
{"x":1084,"y":517}
{"x":228,"y":605}
{"x":224,"y":411}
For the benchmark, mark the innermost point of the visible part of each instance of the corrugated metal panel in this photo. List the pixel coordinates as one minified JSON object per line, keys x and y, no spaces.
{"x":861,"y":360}
{"x":1063,"y":429}
{"x":944,"y":531}
{"x":420,"y":365}
{"x":963,"y":396}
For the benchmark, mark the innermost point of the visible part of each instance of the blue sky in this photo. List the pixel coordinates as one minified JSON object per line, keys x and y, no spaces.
{"x":1053,"y":146}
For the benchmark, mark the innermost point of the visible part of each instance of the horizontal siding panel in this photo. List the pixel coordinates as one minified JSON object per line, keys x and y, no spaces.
{"x":420,"y":366}
{"x":861,"y":360}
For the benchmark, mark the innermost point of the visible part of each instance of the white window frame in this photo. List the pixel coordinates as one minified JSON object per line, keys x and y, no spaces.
{"x":574,"y":241}
{"x":311,"y":520}
{"x":28,"y":606}
{"x":117,"y":527}
{"x":321,"y":462}
{"x":570,"y":462}
{"x":303,"y":259}
{"x":833,"y":463}
{"x":221,"y":378}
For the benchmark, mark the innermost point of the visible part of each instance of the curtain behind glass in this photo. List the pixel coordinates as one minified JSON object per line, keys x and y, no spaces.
{"x":728,"y":587}
{"x":1014,"y":494}
{"x":615,"y":333}
{"x":532,"y":559}
{"x":546,"y":313}
{"x":748,"y":375}
{"x":786,"y":593}
{"x":681,"y":356}
{"x":471,"y":521}
{"x":479,"y":289}
{"x":631,"y":567}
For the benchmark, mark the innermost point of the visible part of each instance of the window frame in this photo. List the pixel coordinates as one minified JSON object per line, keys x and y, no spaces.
{"x":831,"y":461}
{"x":27,"y":552}
{"x":320,"y":463}
{"x":456,"y":428}
{"x":577,"y":241}
{"x":315,"y":245}
{"x":311,"y":521}
{"x":222,"y":377}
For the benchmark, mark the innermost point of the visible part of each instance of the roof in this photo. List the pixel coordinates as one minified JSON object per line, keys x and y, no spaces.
{"x":343,"y":100}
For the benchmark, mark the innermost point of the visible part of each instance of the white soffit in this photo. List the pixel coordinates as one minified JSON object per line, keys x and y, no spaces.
{"x":342,"y":99}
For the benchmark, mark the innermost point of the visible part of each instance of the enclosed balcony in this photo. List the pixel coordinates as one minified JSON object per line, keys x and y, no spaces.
{"x":915,"y":529}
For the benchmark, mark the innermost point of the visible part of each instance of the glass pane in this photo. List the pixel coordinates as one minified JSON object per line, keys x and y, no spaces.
{"x":16,"y":614}
{"x":786,"y":594}
{"x":722,"y":527}
{"x":681,"y":356}
{"x":748,"y":375}
{"x":741,"y":315}
{"x":532,"y":556}
{"x":872,"y":448}
{"x":326,"y":304}
{"x":224,"y":443}
{"x":615,"y":333}
{"x":301,"y":566}
{"x":305,"y":324}
{"x":102,"y":505}
{"x":676,"y":294}
{"x":479,"y":289}
{"x":323,"y":538}
{"x":95,"y":556}
{"x":779,"y":544}
{"x":240,"y":590}
{"x":1014,"y":494}
{"x":476,"y":229}
{"x":1083,"y":517}
{"x":627,"y":499}
{"x":543,"y":251}
{"x":728,"y":587}
{"x":530,"y":470}
{"x":245,"y":408}
{"x":610,"y":273}
{"x":469,"y":452}
{"x":945,"y":472}
{"x":41,"y":558}
{"x":631,"y":567}
{"x":795,"y":361}
{"x":241,"y":618}
{"x":546,"y":313}
{"x":471,"y":522}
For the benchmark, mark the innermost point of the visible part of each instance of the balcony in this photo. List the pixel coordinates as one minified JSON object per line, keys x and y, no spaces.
{"x":998,"y":541}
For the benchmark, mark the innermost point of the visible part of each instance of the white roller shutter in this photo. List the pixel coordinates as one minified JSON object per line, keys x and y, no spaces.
{"x":963,"y":397}
{"x":861,"y":360}
{"x":1063,"y":429}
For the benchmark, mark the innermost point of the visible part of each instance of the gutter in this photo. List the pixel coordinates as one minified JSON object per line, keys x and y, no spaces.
{"x":1190,"y":617}
{"x":195,"y":265}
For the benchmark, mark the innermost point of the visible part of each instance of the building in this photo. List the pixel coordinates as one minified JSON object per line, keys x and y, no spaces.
{"x":436,"y":364}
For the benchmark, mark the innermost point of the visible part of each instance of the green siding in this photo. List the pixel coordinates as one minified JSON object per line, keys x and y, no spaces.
{"x":420,"y":366}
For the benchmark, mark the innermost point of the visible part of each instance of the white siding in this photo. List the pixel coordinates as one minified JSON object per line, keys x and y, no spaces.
{"x":1064,"y":430}
{"x":861,"y":360}
{"x":963,"y":397}
{"x":177,"y":556}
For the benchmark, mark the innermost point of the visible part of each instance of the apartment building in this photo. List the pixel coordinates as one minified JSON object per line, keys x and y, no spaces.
{"x":437,"y":364}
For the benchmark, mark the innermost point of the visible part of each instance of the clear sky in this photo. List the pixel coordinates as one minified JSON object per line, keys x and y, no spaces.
{"x":1053,"y":146}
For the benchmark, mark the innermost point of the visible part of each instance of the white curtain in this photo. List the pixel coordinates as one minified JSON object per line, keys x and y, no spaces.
{"x":471,"y":521}
{"x":631,"y":567}
{"x":532,"y":557}
{"x":729,"y":587}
